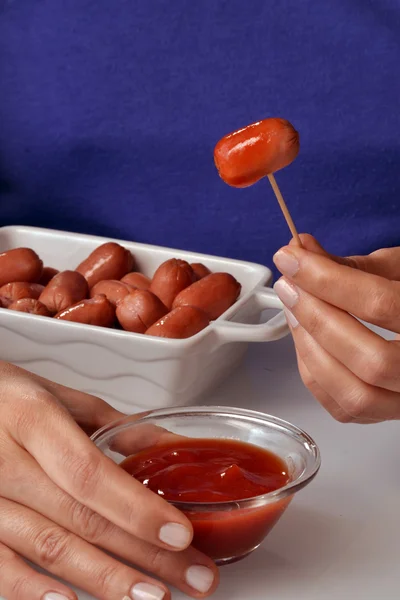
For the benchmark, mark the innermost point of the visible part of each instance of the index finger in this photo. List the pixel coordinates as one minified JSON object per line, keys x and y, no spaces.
{"x":384,"y":262}
{"x":142,"y":436}
{"x":369,"y":297}
{"x":312,"y":245}
{"x":74,"y":463}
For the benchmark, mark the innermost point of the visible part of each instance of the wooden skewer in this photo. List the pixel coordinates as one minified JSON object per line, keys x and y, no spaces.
{"x":284,"y":209}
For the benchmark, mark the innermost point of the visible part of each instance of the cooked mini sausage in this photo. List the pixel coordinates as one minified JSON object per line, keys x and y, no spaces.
{"x":180,"y":323}
{"x":10,"y":292}
{"x":108,"y":261}
{"x":213,"y":294}
{"x":200,"y":270}
{"x":66,"y":288}
{"x":245,"y":156}
{"x":139,"y":310}
{"x":20,"y":264}
{"x":47,"y":275}
{"x":94,"y":311}
{"x":171,"y":277}
{"x":137,"y":280}
{"x":31,"y":306}
{"x":113,"y":290}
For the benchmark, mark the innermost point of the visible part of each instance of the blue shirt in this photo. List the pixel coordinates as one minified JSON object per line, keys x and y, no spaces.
{"x":110,"y":110}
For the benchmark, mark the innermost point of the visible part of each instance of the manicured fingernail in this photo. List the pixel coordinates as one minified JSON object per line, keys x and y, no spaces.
{"x":55,"y":596}
{"x":175,"y":535}
{"x":287,"y":292}
{"x":286,"y":262}
{"x":291,"y":319}
{"x":199,"y":578}
{"x":147,"y":591}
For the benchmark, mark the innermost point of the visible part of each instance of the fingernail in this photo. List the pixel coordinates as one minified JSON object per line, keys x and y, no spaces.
{"x":175,"y":535}
{"x":199,"y":578}
{"x":291,"y":319}
{"x":55,"y":596}
{"x":286,"y":262}
{"x":287,"y":292}
{"x":147,"y":591}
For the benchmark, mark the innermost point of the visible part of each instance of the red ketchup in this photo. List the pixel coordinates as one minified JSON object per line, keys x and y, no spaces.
{"x":216,"y":471}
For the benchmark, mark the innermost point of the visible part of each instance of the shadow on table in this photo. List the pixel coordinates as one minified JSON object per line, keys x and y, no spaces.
{"x":301,"y":547}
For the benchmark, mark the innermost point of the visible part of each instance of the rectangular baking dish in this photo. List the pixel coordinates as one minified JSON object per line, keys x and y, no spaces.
{"x":132,"y":371}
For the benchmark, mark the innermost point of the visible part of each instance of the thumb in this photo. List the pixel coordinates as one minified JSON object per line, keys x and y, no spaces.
{"x":384,"y":262}
{"x":90,"y":412}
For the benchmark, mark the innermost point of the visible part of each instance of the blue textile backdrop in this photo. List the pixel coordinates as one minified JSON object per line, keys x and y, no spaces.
{"x":110,"y":110}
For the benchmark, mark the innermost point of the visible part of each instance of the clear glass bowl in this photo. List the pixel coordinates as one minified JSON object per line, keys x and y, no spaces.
{"x":225,"y":531}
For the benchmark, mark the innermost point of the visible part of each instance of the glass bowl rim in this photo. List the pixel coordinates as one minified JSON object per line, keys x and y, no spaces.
{"x":287,"y":428}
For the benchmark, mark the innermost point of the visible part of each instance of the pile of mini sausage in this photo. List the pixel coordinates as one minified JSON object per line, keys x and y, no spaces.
{"x":105,"y":290}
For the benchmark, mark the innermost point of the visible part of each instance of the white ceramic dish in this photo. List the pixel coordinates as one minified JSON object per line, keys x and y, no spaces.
{"x":132,"y":371}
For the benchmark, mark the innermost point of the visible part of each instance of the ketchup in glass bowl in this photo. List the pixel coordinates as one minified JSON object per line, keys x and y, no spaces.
{"x":233,"y":472}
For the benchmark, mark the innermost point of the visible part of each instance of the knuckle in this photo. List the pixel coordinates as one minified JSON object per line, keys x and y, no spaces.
{"x":90,"y":525}
{"x":314,"y":324}
{"x":356,"y":403}
{"x":20,"y":587}
{"x":381,"y":305}
{"x":85,"y":472}
{"x":14,"y":473}
{"x":355,"y":262}
{"x":307,"y":378}
{"x":154,"y":558}
{"x":30,"y":406}
{"x":311,"y":386}
{"x":341,"y":416}
{"x":322,"y":281}
{"x":105,"y":579}
{"x":377,"y":365}
{"x":375,"y":371}
{"x":51,"y":546}
{"x":23,"y":419}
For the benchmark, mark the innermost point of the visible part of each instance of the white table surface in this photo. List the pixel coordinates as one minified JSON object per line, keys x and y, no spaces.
{"x":340,"y":538}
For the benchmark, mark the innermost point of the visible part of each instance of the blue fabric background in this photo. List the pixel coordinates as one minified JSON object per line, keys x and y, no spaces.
{"x":110,"y":110}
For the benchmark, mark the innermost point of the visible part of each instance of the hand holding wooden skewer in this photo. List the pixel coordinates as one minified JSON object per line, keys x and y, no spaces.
{"x":256,"y":151}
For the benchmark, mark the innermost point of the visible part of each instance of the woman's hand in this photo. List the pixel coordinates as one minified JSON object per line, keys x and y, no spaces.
{"x":62,"y":501}
{"x":353,"y":372}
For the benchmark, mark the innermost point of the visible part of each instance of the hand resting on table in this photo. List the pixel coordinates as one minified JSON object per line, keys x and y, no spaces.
{"x":62,"y":503}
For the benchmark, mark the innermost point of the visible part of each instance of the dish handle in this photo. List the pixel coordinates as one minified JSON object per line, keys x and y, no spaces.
{"x":274,"y":329}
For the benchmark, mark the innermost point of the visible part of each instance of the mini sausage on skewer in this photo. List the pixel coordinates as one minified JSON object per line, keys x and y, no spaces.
{"x":256,"y":151}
